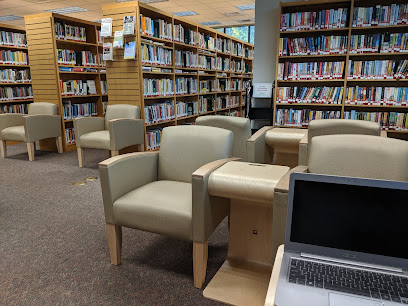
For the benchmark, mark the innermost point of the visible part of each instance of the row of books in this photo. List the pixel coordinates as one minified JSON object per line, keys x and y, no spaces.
{"x":69,"y":136}
{"x":236,"y":84}
{"x":310,"y":71}
{"x":158,"y":28}
{"x":324,"y":19}
{"x":359,"y":95}
{"x":159,"y":112}
{"x":379,"y":43}
{"x":223,"y":84}
{"x":319,"y":45}
{"x":186,"y":86}
{"x":104,"y":87}
{"x":302,"y":117}
{"x":380,"y":15}
{"x":69,"y":32}
{"x":153,"y":139}
{"x":13,"y":39}
{"x":16,"y":93}
{"x":188,"y":108}
{"x":185,"y":36}
{"x":237,"y":49}
{"x":207,"y":86}
{"x":186,"y":59}
{"x":15,"y":76}
{"x":158,"y":87}
{"x":235,"y":113}
{"x":13,"y":57}
{"x":391,"y":121}
{"x":223,"y":45}
{"x":14,"y":109}
{"x":206,"y":62}
{"x":156,"y":55}
{"x":237,"y":66}
{"x":223,"y":64}
{"x":79,"y":69}
{"x":206,"y":104}
{"x":378,"y":70}
{"x":248,"y":53}
{"x":205,"y":41}
{"x":104,"y":106}
{"x":222,"y":102}
{"x":78,"y":87}
{"x":234,"y":101}
{"x":323,"y":95}
{"x":71,"y":111}
{"x":78,"y":58}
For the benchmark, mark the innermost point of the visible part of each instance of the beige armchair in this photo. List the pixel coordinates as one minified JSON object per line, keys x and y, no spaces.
{"x":344,"y":155}
{"x":41,"y":122}
{"x":121,"y":128}
{"x":277,"y":146}
{"x":241,"y":127}
{"x":165,"y":192}
{"x":335,"y":127}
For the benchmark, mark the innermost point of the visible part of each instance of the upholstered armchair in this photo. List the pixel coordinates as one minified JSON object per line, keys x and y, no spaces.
{"x":121,"y":128}
{"x":240,"y":127}
{"x":344,"y":155}
{"x":335,"y":127}
{"x":41,"y":122}
{"x":165,"y":192}
{"x":277,"y":146}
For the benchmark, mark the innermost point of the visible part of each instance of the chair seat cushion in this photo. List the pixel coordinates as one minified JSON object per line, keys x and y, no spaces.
{"x":163,"y":207}
{"x":96,"y":140}
{"x":284,"y":139}
{"x":14,"y":133}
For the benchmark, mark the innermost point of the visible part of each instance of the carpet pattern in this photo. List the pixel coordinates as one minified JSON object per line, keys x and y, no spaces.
{"x":53,"y":245}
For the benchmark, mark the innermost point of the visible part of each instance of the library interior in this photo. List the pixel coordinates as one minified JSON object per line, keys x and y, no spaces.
{"x":204,"y":152}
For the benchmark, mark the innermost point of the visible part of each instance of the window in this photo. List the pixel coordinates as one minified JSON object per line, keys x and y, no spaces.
{"x":245,"y":33}
{"x":252,"y":34}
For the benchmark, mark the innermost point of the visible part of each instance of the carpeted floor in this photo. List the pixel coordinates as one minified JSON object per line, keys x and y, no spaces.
{"x":53,"y":245}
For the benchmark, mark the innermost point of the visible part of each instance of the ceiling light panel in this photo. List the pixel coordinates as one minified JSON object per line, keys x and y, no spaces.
{"x":68,"y":10}
{"x":143,"y":1}
{"x":10,"y":18}
{"x":185,"y":13}
{"x":210,"y":23}
{"x":246,"y":7}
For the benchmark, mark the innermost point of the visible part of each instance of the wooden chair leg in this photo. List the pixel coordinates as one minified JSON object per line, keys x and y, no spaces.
{"x":109,"y":154}
{"x":3,"y":148}
{"x":115,"y":243}
{"x":200,"y":256}
{"x":140,"y":148}
{"x":81,"y":157}
{"x":59,"y":144}
{"x":31,"y":150}
{"x":114,"y":153}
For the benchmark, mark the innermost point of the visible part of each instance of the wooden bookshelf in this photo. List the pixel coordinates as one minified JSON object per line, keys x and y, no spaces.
{"x":345,"y":82}
{"x":15,"y":104}
{"x":131,"y":90}
{"x":45,"y":68}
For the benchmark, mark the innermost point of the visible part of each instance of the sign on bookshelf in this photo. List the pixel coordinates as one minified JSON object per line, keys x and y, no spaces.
{"x":262,"y":90}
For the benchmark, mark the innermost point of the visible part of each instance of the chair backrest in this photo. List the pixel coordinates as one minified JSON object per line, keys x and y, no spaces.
{"x":184,"y":149}
{"x":121,"y":111}
{"x":43,"y":108}
{"x":359,"y":156}
{"x":342,"y":126}
{"x":241,"y":127}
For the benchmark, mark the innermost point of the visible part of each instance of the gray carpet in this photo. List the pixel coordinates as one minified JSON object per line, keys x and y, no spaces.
{"x":53,"y":246}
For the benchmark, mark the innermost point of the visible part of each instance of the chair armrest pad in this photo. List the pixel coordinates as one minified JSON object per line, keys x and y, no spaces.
{"x":283,"y":185}
{"x":9,"y":120}
{"x":210,"y":167}
{"x":256,"y":147}
{"x":305,"y":138}
{"x":42,"y":126}
{"x":124,"y":173}
{"x":126,"y":132}
{"x":261,"y":132}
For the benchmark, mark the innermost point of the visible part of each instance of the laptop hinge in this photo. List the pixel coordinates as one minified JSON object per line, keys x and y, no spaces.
{"x":352,"y":263}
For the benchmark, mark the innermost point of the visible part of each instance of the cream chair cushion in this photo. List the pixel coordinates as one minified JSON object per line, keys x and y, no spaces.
{"x":359,"y":156}
{"x":162,"y":207}
{"x":121,"y":111}
{"x":176,"y":163}
{"x":96,"y":140}
{"x":241,"y":127}
{"x":14,"y":133}
{"x":43,"y":108}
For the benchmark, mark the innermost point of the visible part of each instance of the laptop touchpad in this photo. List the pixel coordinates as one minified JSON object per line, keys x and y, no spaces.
{"x":347,"y":300}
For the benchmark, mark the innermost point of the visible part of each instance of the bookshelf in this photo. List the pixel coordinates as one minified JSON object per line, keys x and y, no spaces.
{"x":64,"y":60}
{"x":15,"y":81}
{"x":193,"y":81}
{"x":369,"y":78}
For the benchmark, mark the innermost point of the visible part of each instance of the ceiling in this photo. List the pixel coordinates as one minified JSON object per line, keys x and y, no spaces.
{"x":207,"y":10}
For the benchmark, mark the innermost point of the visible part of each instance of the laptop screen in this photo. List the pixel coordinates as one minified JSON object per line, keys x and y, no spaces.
{"x":356,"y":218}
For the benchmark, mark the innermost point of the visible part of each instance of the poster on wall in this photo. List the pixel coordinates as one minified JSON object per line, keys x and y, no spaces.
{"x":262,"y":90}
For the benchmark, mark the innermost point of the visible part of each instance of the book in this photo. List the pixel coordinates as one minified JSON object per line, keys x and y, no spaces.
{"x":91,"y":87}
{"x":128,"y":25}
{"x":130,"y":50}
{"x":106,"y":27}
{"x":387,"y":120}
{"x":118,"y":40}
{"x":107,"y":52}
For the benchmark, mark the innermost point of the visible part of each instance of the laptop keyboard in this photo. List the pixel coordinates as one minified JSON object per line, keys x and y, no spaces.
{"x":371,"y":284}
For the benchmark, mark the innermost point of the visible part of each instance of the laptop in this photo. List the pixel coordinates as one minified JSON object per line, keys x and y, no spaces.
{"x":346,"y":242}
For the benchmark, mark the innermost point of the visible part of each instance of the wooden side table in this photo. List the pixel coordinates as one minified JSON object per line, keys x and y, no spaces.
{"x":244,"y":277}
